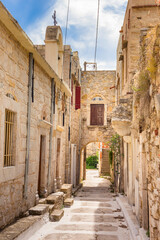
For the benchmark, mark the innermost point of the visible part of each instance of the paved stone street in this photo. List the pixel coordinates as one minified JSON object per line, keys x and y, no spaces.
{"x":95,"y":215}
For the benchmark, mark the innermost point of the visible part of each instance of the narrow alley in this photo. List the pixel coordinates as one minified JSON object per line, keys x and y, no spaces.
{"x":80,"y":136}
{"x":95,"y":215}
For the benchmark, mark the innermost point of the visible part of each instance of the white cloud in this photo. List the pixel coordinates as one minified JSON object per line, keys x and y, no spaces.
{"x":82,"y":27}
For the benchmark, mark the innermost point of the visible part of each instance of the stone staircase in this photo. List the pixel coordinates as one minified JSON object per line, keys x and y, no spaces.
{"x":54,"y":203}
{"x":51,"y":206}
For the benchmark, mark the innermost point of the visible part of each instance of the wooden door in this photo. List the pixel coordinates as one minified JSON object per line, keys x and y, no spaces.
{"x":97,"y":114}
{"x":41,"y":173}
{"x":40,"y":166}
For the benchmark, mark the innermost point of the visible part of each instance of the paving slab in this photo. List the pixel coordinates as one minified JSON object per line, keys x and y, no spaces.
{"x":13,"y":231}
{"x":70,"y":237}
{"x":92,"y":210}
{"x":87,"y":227}
{"x":93,"y":216}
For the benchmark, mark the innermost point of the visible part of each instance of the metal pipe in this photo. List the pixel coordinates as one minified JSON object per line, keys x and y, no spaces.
{"x":69,"y":154}
{"x":51,"y":132}
{"x":79,"y":152}
{"x":28,"y":124}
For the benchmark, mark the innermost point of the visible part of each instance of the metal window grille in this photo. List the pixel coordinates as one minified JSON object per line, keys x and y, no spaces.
{"x":8,"y":147}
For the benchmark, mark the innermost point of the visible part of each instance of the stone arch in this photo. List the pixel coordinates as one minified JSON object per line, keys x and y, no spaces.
{"x":91,"y":96}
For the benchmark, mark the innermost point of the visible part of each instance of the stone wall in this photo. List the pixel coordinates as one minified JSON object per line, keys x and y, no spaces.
{"x":97,"y":88}
{"x":92,"y":149}
{"x":72,"y":76}
{"x":97,"y":84}
{"x":137,"y":69}
{"x":14,"y":68}
{"x":148,"y":127}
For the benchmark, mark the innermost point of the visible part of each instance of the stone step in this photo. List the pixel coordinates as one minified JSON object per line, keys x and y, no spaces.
{"x":87,"y":227}
{"x":79,"y":236}
{"x":68,"y":202}
{"x":39,"y":209}
{"x":56,"y":215}
{"x":42,"y":201}
{"x":13,"y":231}
{"x":56,"y":199}
{"x":51,"y":208}
{"x":67,"y":189}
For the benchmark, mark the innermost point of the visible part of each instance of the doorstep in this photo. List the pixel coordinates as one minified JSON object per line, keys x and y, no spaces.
{"x":136,"y":233}
{"x":19,"y":227}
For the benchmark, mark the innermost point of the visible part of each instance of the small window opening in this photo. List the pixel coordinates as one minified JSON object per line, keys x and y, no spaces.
{"x":9,"y":141}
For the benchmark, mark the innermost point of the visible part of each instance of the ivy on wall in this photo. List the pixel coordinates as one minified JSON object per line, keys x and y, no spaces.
{"x":115,"y":149}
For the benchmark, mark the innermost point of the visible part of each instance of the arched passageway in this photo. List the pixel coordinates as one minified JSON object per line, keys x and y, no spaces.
{"x":95,"y":155}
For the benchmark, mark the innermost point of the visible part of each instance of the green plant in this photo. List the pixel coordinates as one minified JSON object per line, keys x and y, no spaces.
{"x":148,"y":233}
{"x":91,"y":162}
{"x":115,"y":148}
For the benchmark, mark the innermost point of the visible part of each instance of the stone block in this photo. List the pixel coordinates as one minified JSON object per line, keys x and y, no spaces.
{"x":56,"y":199}
{"x":67,"y":189}
{"x":52,"y":199}
{"x":68,"y":202}
{"x":42,"y":201}
{"x":51,"y":208}
{"x":40,"y":209}
{"x":56,"y":215}
{"x":65,"y":196}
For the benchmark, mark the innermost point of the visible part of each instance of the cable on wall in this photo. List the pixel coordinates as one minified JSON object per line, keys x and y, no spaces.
{"x":97,"y":28}
{"x":67,"y":21}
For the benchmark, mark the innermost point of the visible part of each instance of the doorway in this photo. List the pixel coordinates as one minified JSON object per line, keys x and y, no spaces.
{"x":41,"y":175}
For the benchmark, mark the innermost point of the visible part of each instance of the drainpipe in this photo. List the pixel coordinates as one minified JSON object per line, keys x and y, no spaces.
{"x":79,"y":152}
{"x":28,"y":124}
{"x":51,"y":132}
{"x":69,"y":155}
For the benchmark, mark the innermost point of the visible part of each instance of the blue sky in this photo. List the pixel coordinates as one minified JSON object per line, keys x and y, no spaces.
{"x":35,"y":15}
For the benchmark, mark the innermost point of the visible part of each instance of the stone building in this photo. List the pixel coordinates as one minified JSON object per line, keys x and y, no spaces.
{"x":72,"y":76}
{"x":136,"y":115}
{"x":97,"y":102}
{"x":33,"y":99}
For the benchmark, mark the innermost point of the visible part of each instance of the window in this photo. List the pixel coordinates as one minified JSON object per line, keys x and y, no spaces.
{"x":97,"y":114}
{"x":97,"y":99}
{"x":9,"y":134}
{"x":78,"y":98}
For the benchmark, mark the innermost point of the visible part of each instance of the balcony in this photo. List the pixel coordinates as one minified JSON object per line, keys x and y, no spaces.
{"x":121,"y":120}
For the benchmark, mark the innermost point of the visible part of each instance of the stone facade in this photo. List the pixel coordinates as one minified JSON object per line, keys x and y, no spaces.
{"x":92,"y":149}
{"x":19,"y":190}
{"x":136,"y":115}
{"x":97,"y":88}
{"x":72,"y":76}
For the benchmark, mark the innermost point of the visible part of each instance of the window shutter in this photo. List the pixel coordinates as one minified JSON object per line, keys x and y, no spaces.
{"x":97,"y":114}
{"x":78,"y":98}
{"x":63,"y":102}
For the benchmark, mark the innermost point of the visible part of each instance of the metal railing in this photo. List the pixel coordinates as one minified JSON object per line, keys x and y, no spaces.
{"x":8,"y":145}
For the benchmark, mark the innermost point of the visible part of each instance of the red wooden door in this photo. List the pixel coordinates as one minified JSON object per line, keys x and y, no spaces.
{"x":97,"y":114}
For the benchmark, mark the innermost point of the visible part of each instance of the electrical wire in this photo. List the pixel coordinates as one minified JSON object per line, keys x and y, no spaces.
{"x":67,"y":21}
{"x":97,"y":28}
